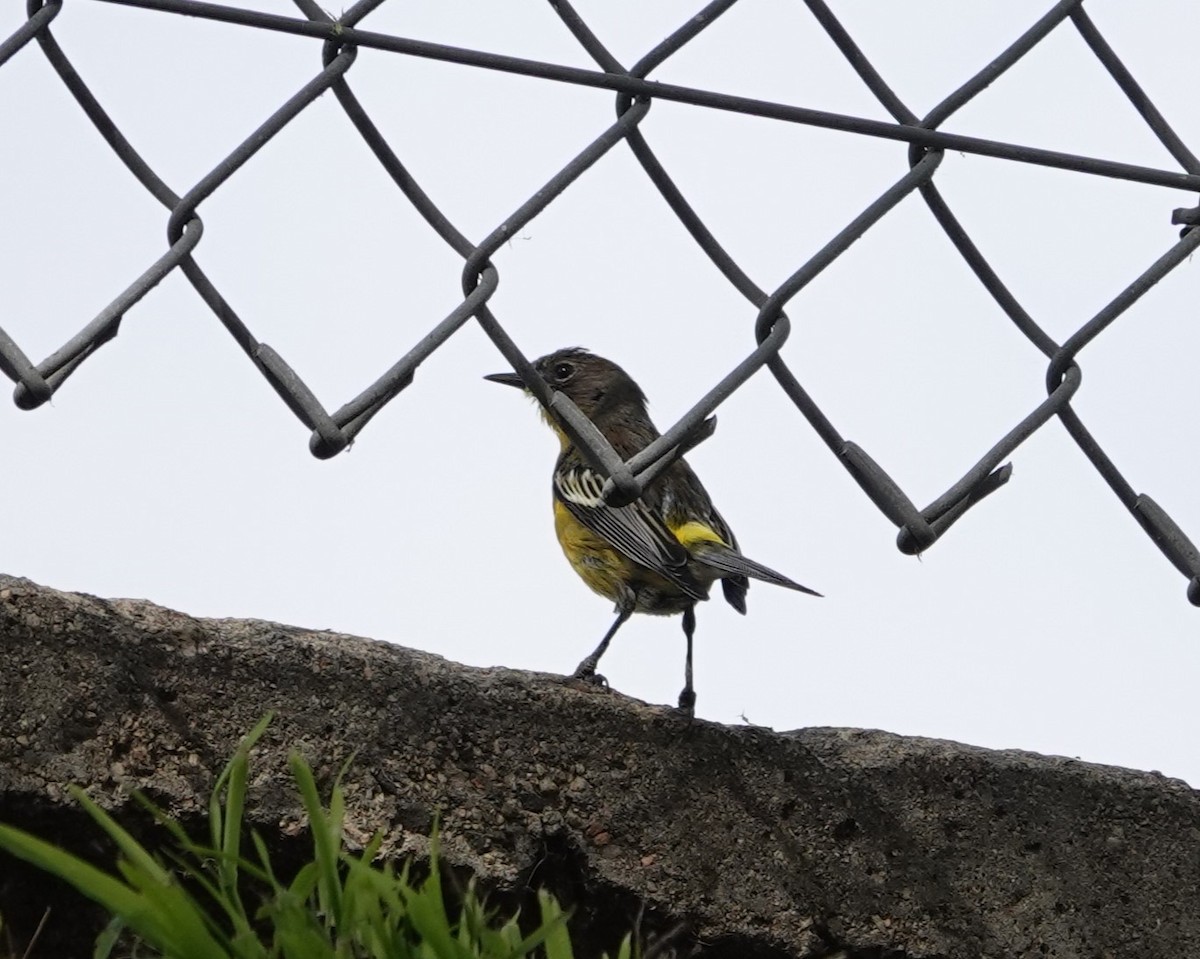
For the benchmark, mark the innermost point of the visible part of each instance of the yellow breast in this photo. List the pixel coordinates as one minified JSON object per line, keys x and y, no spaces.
{"x":597,"y":563}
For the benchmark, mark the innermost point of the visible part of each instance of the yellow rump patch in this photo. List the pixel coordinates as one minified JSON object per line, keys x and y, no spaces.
{"x":693,"y":531}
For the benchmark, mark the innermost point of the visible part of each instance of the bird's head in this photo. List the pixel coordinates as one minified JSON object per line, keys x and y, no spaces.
{"x":592,"y":383}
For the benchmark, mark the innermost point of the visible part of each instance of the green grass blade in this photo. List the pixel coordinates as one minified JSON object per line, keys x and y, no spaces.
{"x":510,"y":935}
{"x":108,"y":938}
{"x":326,"y":844}
{"x":233,"y":910}
{"x":183,"y":922}
{"x":264,"y":860}
{"x":231,"y":831}
{"x":133,"y":850}
{"x":185,"y":926}
{"x":427,"y":914}
{"x":108,"y":891}
{"x":216,"y":818}
{"x":384,"y":885}
{"x":238,"y":773}
{"x":161,"y":817}
{"x":305,"y":881}
{"x":554,"y":922}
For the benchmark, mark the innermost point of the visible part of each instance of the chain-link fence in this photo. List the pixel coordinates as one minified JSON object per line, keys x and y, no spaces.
{"x":635,"y":93}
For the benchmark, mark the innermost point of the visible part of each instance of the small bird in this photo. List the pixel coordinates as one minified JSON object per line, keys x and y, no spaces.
{"x":659,"y":554}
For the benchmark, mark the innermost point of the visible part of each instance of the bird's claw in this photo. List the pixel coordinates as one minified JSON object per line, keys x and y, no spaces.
{"x":591,"y":677}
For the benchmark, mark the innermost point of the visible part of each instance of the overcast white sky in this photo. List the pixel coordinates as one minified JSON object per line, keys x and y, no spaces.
{"x":167,"y":468}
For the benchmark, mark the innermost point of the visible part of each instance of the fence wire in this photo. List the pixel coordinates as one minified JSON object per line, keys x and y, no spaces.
{"x":332,"y":432}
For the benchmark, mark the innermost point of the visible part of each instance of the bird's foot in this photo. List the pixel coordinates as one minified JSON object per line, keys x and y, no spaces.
{"x":591,"y":677}
{"x":687,"y":703}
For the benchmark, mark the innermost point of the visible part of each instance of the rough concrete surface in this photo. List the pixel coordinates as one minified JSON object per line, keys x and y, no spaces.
{"x":818,"y":842}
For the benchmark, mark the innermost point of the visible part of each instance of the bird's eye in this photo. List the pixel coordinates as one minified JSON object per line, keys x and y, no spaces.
{"x":562,"y":371}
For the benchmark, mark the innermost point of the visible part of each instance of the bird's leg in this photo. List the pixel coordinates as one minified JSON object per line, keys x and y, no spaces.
{"x":587,"y":669}
{"x":687,"y":698}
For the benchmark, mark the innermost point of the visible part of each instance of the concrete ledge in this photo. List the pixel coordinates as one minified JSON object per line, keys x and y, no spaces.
{"x":818,"y":842}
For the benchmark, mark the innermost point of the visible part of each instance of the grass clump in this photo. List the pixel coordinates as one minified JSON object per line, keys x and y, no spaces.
{"x":340,"y":904}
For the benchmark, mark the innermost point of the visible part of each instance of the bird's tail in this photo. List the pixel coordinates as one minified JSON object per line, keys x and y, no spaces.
{"x":731,"y":563}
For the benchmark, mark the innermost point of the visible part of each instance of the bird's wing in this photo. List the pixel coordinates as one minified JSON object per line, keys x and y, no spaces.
{"x":632,"y":530}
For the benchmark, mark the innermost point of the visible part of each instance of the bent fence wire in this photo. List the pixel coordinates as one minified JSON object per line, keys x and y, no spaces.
{"x":333,"y":431}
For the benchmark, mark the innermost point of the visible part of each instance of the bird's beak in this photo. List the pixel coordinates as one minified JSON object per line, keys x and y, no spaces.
{"x":508,"y":379}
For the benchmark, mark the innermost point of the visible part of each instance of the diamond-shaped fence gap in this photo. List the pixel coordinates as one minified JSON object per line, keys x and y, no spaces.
{"x":793,"y":61}
{"x":1144,"y":37}
{"x":760,"y":435}
{"x":591,"y":270}
{"x":502,"y":139}
{"x":924,"y":308}
{"x":161,"y":370}
{"x":1139,"y":394}
{"x":529,"y":30}
{"x":921,"y":65}
{"x":1059,"y":96}
{"x":1063,"y":264}
{"x":60,"y":174}
{"x":372,"y":279}
{"x":1055,"y":493}
{"x":745,"y":177}
{"x":786,"y":457}
{"x":630,"y":29}
{"x":219,"y":81}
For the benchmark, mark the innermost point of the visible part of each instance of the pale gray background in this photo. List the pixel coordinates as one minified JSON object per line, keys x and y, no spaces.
{"x":168,"y":469}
